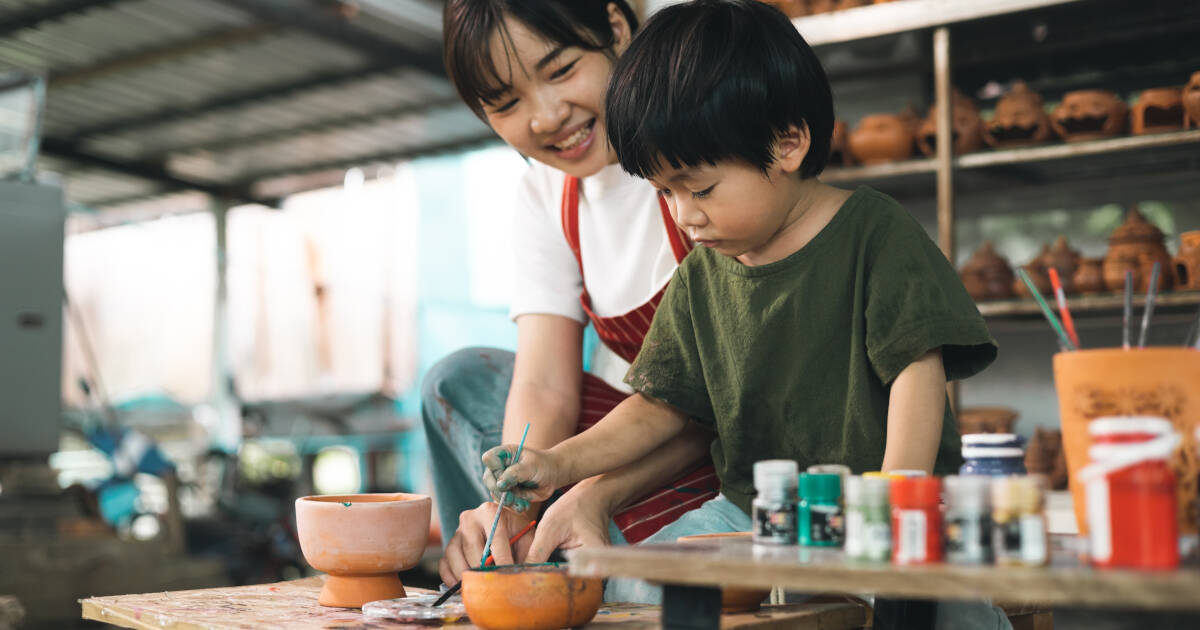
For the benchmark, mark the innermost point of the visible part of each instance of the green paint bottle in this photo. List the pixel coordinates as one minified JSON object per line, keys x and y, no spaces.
{"x":821,"y":523}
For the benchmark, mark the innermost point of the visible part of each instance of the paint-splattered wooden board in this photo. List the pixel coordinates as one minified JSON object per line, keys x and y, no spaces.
{"x":293,"y":606}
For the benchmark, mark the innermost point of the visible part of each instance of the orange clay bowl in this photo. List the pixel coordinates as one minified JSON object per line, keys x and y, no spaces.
{"x":733,"y":599}
{"x":362,"y":541}
{"x":529,"y":597}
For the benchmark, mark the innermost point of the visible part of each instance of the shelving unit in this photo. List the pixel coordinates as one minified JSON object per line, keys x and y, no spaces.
{"x":1105,"y":304}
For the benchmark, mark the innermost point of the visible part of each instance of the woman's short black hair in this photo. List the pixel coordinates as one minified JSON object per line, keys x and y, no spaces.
{"x":468,"y":26}
{"x":713,"y":80}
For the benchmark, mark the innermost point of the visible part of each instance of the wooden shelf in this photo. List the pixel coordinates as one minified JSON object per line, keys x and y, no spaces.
{"x":1090,"y":305}
{"x":878,"y":171}
{"x":905,"y":15}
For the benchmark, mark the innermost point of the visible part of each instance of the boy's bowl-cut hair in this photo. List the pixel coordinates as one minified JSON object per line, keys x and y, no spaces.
{"x":714,"y":80}
{"x":468,"y":26}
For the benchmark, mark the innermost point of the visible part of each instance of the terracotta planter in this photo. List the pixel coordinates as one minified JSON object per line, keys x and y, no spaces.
{"x":987,"y":275}
{"x":529,"y":597}
{"x":881,"y":138}
{"x":1157,"y":110}
{"x":839,"y":145}
{"x":986,"y":420}
{"x":1191,"y":102}
{"x":1187,"y":263}
{"x":733,"y":599}
{"x":1116,"y":382}
{"x":1063,"y":259}
{"x":1135,"y":246}
{"x":1020,"y":119}
{"x":965,"y":124}
{"x":362,"y":541}
{"x":1089,"y":277}
{"x":1088,"y":115}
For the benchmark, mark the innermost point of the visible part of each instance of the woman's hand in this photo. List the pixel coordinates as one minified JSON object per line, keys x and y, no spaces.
{"x":575,"y":520}
{"x":533,"y":479}
{"x":466,"y":546}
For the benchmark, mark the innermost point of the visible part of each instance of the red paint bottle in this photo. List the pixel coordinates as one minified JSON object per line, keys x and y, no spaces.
{"x":916,"y":520}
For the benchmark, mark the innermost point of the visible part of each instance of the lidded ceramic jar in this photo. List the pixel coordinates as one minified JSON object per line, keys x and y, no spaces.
{"x":1036,"y":270}
{"x":1020,"y":119}
{"x":1088,"y":115}
{"x":1157,"y":110}
{"x":1064,"y":260}
{"x":1187,"y":262}
{"x":1089,"y":277}
{"x":987,"y":275}
{"x":881,"y":138}
{"x":1135,"y":246}
{"x":965,"y":124}
{"x":1191,"y":102}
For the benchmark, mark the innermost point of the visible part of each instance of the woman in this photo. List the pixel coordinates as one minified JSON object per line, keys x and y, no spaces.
{"x":593,"y":244}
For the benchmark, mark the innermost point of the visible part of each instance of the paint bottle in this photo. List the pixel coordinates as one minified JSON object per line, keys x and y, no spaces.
{"x":1130,"y":490}
{"x":868,"y":519}
{"x":774,"y":508}
{"x":820,"y":510}
{"x":968,"y":528}
{"x":1018,"y":525}
{"x":992,"y":454}
{"x":916,"y":520}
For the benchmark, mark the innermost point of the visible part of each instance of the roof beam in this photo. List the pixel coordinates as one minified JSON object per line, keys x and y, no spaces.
{"x":152,"y":171}
{"x":331,"y":27}
{"x":29,"y":18}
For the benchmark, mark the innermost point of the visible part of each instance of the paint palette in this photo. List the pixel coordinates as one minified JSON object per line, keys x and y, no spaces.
{"x":418,"y":609}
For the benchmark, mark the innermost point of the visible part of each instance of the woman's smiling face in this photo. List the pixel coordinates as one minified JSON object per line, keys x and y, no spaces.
{"x":552,"y":105}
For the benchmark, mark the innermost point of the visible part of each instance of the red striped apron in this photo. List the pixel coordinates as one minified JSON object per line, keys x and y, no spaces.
{"x":623,"y":334}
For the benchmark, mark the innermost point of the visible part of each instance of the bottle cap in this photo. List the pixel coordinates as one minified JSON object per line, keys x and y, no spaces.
{"x":820,"y":487}
{"x":773,"y":474}
{"x":916,"y":492}
{"x":830,"y":469}
{"x":907,"y":473}
{"x":982,"y":452}
{"x":993,"y":440}
{"x":867,"y":490}
{"x":1021,"y":494}
{"x":968,"y":491}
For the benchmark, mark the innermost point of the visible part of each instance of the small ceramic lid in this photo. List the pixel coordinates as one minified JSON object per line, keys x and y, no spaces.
{"x":1136,"y":228}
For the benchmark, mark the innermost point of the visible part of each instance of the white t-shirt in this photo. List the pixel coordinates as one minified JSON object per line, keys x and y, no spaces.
{"x":627,"y":257}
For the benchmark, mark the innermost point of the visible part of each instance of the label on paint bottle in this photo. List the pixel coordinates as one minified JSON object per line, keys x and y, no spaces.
{"x":825,"y":525}
{"x":1099,"y":516}
{"x":775,"y":523}
{"x":1033,"y":539}
{"x":911,"y":539}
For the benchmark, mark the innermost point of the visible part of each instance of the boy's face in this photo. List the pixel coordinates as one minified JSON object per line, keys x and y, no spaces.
{"x":553,"y":108}
{"x":731,"y":207}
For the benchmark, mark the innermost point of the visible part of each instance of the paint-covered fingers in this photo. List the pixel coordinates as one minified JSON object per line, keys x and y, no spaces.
{"x":518,"y":485}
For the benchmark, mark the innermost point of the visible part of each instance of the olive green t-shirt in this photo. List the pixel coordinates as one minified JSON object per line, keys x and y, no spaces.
{"x":794,"y":359}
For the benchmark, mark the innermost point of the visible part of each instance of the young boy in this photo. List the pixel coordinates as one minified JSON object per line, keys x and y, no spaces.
{"x":814,"y":324}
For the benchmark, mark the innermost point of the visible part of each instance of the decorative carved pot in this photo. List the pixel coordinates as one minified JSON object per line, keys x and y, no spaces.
{"x":987,"y":275}
{"x":881,"y":138}
{"x":1135,"y":246}
{"x":1187,"y":263}
{"x":1089,"y":114}
{"x":1157,"y":110}
{"x":965,"y":124}
{"x":839,"y":145}
{"x":1036,"y":270}
{"x":1064,"y":260}
{"x":1191,"y":102}
{"x":1089,"y":277}
{"x":986,"y":420}
{"x":1020,"y":119}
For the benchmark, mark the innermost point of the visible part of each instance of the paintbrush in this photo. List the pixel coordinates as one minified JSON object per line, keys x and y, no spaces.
{"x":490,"y":561}
{"x":1063,"y":310}
{"x":1151,"y":296}
{"x":1127,"y":314}
{"x":487,"y":546}
{"x":1064,"y":342}
{"x":1193,"y":336}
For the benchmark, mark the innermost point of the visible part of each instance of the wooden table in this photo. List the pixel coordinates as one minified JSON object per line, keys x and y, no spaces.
{"x":293,"y":606}
{"x":690,"y":570}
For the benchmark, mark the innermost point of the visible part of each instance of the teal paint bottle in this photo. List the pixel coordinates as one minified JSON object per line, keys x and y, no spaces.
{"x":821,"y":522}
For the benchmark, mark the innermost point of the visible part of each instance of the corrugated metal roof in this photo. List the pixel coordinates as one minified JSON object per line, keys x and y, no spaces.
{"x":231,"y":96}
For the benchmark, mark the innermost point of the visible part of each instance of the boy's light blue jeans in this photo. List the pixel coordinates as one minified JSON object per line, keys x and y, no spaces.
{"x":462,"y":407}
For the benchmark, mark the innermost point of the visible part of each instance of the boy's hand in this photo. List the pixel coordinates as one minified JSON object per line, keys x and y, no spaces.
{"x":534,"y":478}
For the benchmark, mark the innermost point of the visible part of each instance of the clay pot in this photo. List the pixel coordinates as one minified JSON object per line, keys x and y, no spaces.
{"x":790,"y":8}
{"x":733,"y":599}
{"x":1135,"y":246}
{"x":1036,"y":270}
{"x":1044,"y":456}
{"x":881,"y":138}
{"x":1089,"y":114}
{"x":1089,"y":276}
{"x":1020,"y":119}
{"x":986,"y":420}
{"x":362,"y":541}
{"x":1157,"y":110}
{"x":1187,"y":263}
{"x":529,"y":597}
{"x":1191,"y":102}
{"x":1063,"y":259}
{"x":839,"y":145}
{"x":987,"y":275}
{"x":825,"y":6}
{"x":965,"y":124}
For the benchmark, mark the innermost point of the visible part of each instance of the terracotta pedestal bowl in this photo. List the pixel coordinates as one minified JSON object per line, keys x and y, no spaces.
{"x":733,"y":599}
{"x":529,"y":597}
{"x":362,"y":541}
